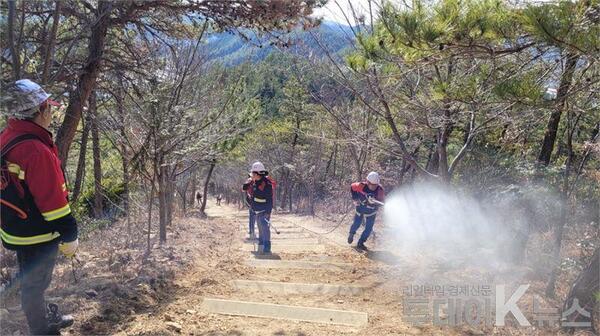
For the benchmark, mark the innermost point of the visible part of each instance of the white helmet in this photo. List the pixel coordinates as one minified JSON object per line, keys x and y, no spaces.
{"x":373,"y":177}
{"x":257,"y":167}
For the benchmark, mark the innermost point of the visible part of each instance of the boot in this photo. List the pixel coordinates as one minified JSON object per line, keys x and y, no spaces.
{"x":361,"y":246}
{"x":267,"y":249}
{"x":350,"y":238}
{"x":56,"y":321}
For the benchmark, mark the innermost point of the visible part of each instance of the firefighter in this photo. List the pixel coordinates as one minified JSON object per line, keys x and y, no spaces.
{"x":36,"y":216}
{"x":262,"y":205}
{"x":247,"y":190}
{"x":364,"y":195}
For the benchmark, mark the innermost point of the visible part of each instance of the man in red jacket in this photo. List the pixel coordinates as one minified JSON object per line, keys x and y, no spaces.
{"x":36,"y":216}
{"x":367,"y":197}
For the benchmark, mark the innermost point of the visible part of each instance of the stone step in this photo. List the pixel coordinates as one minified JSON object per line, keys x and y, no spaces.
{"x":285,"y":312}
{"x":299,"y":264}
{"x":288,"y":248}
{"x":297,"y":288}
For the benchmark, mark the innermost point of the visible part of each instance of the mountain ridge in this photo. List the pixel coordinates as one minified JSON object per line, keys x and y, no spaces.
{"x":231,"y":49}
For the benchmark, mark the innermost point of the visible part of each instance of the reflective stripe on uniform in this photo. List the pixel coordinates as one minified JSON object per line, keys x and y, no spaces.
{"x":260,"y":200}
{"x":56,"y":214}
{"x":15,"y":240}
{"x":16,"y":169}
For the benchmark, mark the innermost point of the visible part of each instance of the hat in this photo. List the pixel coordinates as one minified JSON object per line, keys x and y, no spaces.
{"x":258,"y":167}
{"x":23,"y":96}
{"x":373,"y":177}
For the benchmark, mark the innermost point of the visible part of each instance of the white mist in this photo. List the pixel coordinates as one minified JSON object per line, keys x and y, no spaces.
{"x":439,"y":224}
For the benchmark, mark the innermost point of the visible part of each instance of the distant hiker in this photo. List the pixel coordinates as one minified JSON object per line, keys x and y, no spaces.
{"x":364,"y":195}
{"x":262,"y":204}
{"x":198,"y":197}
{"x":219,"y":198}
{"x":247,"y":190}
{"x":36,"y":217}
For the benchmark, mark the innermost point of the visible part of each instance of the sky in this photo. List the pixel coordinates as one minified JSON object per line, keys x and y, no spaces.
{"x":334,"y":9}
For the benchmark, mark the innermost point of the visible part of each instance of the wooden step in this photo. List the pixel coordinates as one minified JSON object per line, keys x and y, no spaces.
{"x":288,"y":235}
{"x":281,"y":237}
{"x":285,"y":312}
{"x":244,"y":228}
{"x":298,"y":264}
{"x":297,"y":288}
{"x":288,"y":241}
{"x":288,"y":248}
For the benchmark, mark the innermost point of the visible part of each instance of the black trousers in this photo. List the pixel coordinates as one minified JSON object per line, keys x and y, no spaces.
{"x":36,"y":264}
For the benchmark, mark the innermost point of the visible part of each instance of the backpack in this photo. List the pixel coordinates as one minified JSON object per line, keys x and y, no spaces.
{"x":16,"y":202}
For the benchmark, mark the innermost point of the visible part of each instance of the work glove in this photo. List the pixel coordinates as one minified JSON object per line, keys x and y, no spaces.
{"x":373,"y":201}
{"x":69,"y":248}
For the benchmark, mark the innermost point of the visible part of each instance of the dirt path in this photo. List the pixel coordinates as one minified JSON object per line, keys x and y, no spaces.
{"x":211,"y":274}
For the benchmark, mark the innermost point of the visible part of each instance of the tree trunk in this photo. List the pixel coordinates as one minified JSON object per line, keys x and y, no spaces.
{"x":124,"y":154}
{"x":163,"y":203}
{"x":290,"y":205}
{"x":335,"y":155}
{"x":170,"y":197}
{"x":183,"y":194}
{"x":50,"y":42}
{"x":286,"y":184}
{"x":206,"y":182}
{"x":329,"y":164}
{"x":192,"y":199}
{"x":80,"y":174}
{"x":16,"y":66}
{"x":125,"y":161}
{"x":562,"y":221}
{"x":561,"y":99}
{"x":150,"y":203}
{"x":442,"y":146}
{"x":442,"y":151}
{"x":96,"y":154}
{"x":184,"y":201}
{"x":287,"y":178}
{"x":433,"y":159}
{"x":584,"y":289}
{"x":406,"y":166}
{"x":86,"y":81}
{"x":358,"y":169}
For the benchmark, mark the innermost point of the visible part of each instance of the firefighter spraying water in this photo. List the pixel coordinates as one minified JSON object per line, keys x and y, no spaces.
{"x":368,"y":197}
